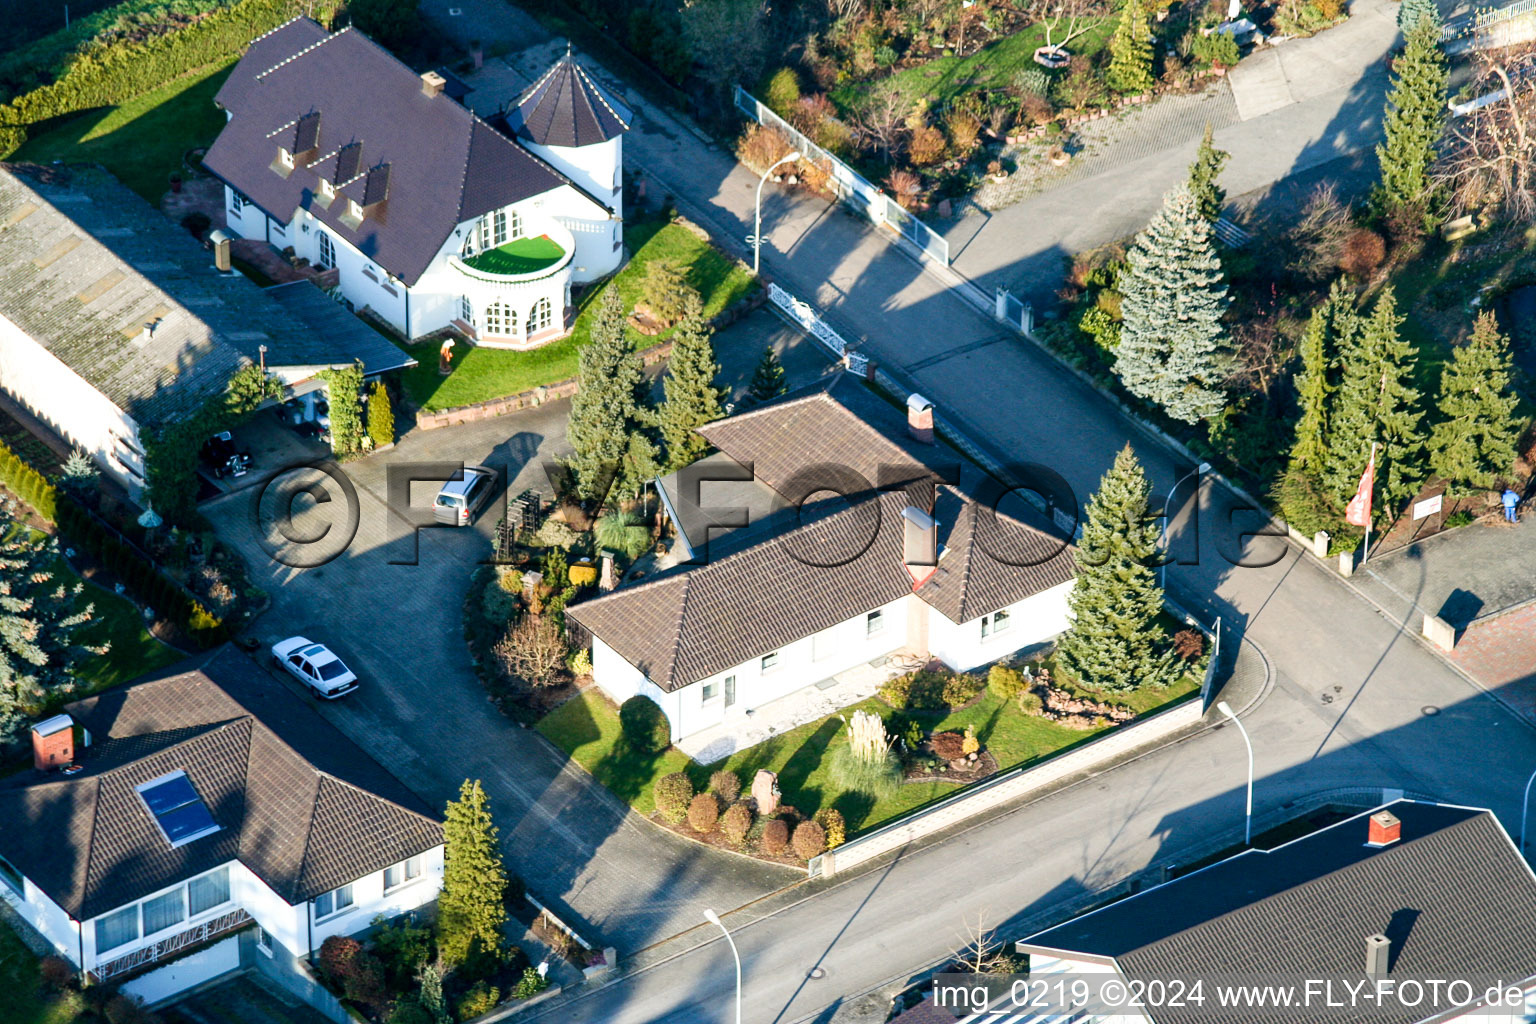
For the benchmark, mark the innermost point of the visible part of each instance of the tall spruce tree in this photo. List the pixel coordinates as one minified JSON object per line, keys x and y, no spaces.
{"x":471,"y":907}
{"x":1204,"y":174}
{"x":1473,"y":447}
{"x":1414,"y":121}
{"x":1130,"y":49}
{"x":1115,"y":642}
{"x":768,"y":378}
{"x":692,"y":399}
{"x":609,"y":416}
{"x":1174,"y":350}
{"x":1411,"y":12}
{"x":1376,"y":402}
{"x":1332,"y":327}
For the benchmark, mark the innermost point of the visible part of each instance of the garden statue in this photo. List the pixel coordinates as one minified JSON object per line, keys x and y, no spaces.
{"x":445,"y":357}
{"x":765,"y":791}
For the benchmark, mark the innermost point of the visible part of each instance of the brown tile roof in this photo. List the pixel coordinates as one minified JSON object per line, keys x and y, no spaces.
{"x":797,"y":572}
{"x":296,"y":802}
{"x":567,"y":108}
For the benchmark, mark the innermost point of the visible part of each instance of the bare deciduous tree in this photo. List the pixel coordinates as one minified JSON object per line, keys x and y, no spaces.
{"x":1314,"y":245}
{"x":1262,"y":354}
{"x":882,"y":121}
{"x":980,"y":951}
{"x":1490,"y":161}
{"x":533,"y":651}
{"x":1070,"y":18}
{"x":839,"y":10}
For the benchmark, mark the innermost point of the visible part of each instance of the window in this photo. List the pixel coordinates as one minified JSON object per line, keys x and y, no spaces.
{"x":164,"y":911}
{"x":353,"y":210}
{"x":285,"y":158}
{"x":493,"y":229}
{"x":514,"y":224}
{"x":333,"y":902}
{"x":327,"y":189}
{"x":874,"y":623}
{"x":770,"y":661}
{"x":406,"y":871}
{"x":237,"y":202}
{"x":466,"y":311}
{"x":711,"y":691}
{"x":992,"y":624}
{"x":117,"y":929}
{"x":540,"y":317}
{"x":263,"y":940}
{"x":177,"y":808}
{"x":12,"y":878}
{"x":327,"y":251}
{"x":500,"y":320}
{"x":207,"y":892}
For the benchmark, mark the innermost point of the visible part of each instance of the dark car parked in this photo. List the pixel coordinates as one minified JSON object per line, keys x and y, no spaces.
{"x":223,"y":459}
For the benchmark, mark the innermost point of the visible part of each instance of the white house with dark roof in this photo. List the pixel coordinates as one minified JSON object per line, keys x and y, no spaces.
{"x":823,"y":603}
{"x":113,"y":319}
{"x":432,"y":216}
{"x":176,"y":825}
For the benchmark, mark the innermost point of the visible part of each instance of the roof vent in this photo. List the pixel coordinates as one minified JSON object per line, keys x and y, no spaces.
{"x":920,"y":541}
{"x":1385,"y":829}
{"x":53,"y":743}
{"x":1378,"y":951}
{"x":432,"y":83}
{"x":920,"y":418}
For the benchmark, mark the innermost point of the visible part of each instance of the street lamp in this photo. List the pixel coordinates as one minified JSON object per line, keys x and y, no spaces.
{"x":1200,"y":470}
{"x":1525,"y":810}
{"x":1226,"y":709}
{"x":714,"y":919}
{"x":757,"y":224}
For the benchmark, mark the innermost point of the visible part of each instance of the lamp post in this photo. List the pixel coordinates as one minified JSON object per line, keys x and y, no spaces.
{"x":757,"y":222}
{"x":1226,"y":709}
{"x":714,"y":919}
{"x":1198,"y":471}
{"x":1525,"y":810}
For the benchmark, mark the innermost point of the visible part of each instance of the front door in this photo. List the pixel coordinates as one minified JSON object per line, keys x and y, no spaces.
{"x":730,"y":690}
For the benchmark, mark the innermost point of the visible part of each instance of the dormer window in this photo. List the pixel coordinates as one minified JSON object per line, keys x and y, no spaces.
{"x":353,"y":210}
{"x":327,"y":189}
{"x":285,"y":158}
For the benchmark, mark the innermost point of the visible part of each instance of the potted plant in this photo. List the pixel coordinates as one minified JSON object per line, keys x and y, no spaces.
{"x":175,"y":183}
{"x":1058,"y":156}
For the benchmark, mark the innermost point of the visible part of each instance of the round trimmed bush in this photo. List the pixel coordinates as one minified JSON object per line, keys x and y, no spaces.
{"x":726,"y":785}
{"x":775,"y":838}
{"x":1005,"y":682}
{"x":645,"y":725}
{"x":703,"y":812}
{"x":674,"y":794}
{"x":832,"y":824}
{"x":810,"y":840}
{"x":736,"y":823}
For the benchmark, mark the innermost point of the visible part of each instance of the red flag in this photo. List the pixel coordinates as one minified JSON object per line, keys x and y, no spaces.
{"x":1358,"y":511}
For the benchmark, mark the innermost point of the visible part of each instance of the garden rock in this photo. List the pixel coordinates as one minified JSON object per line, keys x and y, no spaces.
{"x":765,"y":791}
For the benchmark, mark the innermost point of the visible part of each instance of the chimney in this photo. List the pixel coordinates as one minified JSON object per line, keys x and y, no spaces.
{"x":1378,"y":950}
{"x":1385,"y":829}
{"x":920,"y":418}
{"x":608,"y":578}
{"x":920,"y":541}
{"x":432,"y":83}
{"x":53,"y":743}
{"x":220,"y":243}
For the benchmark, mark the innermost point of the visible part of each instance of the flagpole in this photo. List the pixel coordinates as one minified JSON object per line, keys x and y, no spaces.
{"x":1371,"y":502}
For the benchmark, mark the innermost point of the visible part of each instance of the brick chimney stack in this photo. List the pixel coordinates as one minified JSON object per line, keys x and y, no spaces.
{"x":1385,"y":829}
{"x":920,"y":418}
{"x":53,"y":743}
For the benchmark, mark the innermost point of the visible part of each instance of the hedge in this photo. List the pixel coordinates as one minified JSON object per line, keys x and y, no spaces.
{"x":108,"y":75}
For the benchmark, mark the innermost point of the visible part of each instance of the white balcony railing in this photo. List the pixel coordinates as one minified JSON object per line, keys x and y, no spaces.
{"x":170,"y":947}
{"x":512,"y":282}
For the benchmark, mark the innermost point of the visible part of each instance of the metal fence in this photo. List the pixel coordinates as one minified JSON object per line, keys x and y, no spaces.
{"x":1014,"y":311}
{"x":1491,"y":27}
{"x":854,"y":189}
{"x":804,"y":316}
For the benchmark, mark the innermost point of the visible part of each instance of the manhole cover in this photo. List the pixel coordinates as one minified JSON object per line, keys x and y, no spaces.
{"x":817,"y":973}
{"x":1429,"y":711}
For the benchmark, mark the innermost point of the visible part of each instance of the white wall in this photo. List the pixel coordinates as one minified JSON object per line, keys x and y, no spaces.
{"x":599,"y":170}
{"x":181,"y":974}
{"x":46,"y":917}
{"x":1031,"y":621}
{"x":369,"y":899}
{"x":71,"y":407}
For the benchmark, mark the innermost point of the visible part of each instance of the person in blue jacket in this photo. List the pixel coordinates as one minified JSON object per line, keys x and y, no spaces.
{"x":1510,"y":499}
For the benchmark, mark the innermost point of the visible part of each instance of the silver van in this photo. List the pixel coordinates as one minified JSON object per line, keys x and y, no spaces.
{"x":464,"y":496}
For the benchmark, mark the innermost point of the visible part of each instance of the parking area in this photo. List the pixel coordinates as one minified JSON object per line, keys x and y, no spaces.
{"x":272,"y":443}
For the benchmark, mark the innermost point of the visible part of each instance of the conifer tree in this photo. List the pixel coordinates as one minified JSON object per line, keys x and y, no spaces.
{"x":1473,"y":447}
{"x":768,"y":378}
{"x":1130,"y":66}
{"x":1332,"y":327}
{"x":608,"y":416}
{"x":1376,"y":402}
{"x":1414,"y":121}
{"x":1203,"y":175}
{"x":1174,"y":350}
{"x":1411,"y":12}
{"x":692,"y":399}
{"x":471,"y":907}
{"x":1115,"y":642}
{"x":381,"y":418}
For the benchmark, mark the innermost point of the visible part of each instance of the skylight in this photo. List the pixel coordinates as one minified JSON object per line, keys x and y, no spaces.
{"x":177,"y":809}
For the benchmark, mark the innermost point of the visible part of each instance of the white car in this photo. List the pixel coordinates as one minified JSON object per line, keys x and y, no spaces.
{"x":316,"y":666}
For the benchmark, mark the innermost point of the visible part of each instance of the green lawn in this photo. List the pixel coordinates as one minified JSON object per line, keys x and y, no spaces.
{"x":141,"y":141}
{"x":481,"y":374}
{"x":587,"y":728}
{"x":116,"y":621}
{"x":519,"y":256}
{"x":25,"y":1001}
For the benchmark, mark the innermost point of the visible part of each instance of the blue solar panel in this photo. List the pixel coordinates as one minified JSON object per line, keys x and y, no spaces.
{"x":170,"y":793}
{"x":177,"y":809}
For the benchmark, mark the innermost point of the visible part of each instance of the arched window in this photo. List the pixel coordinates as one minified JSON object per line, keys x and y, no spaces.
{"x":500,"y":320}
{"x":540,"y":316}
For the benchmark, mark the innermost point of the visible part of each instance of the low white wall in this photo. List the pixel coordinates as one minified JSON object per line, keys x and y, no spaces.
{"x":181,"y":974}
{"x":1020,"y":782}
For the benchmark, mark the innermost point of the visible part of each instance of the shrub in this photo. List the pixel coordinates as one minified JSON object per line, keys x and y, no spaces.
{"x":196,"y":223}
{"x":674,"y":795}
{"x":580,"y":663}
{"x":961,"y":688}
{"x":906,"y":186}
{"x":1005,"y":682}
{"x":775,"y":839}
{"x":969,"y":744}
{"x":510,"y":580}
{"x":664,"y":285}
{"x":644,"y":725}
{"x":403,"y":946}
{"x":726,"y":785}
{"x":736,"y":823}
{"x":364,"y":982}
{"x":762,"y":146}
{"x":583,"y":575}
{"x":336,"y":956}
{"x":783,"y":92}
{"x":948,"y":745}
{"x":1037,"y":110}
{"x":810,"y":840}
{"x":910,"y":730}
{"x":57,"y":973}
{"x":623,"y":531}
{"x":917,"y":691}
{"x":555,"y":533}
{"x":408,"y":1010}
{"x":1364,"y":251}
{"x":876,"y":777}
{"x":530,"y":984}
{"x":926,"y":146}
{"x":123,"y":1008}
{"x":964,"y":127}
{"x":1188,"y":644}
{"x":381,"y":418}
{"x":1030,"y":702}
{"x":481,"y":999}
{"x":703,"y":812}
{"x":834,"y":828}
